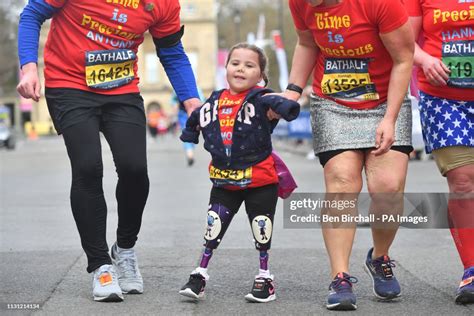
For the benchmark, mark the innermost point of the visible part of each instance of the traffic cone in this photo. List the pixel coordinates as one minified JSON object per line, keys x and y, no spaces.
{"x":32,"y":135}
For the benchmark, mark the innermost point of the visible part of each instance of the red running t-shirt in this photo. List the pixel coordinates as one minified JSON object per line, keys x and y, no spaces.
{"x":92,"y":44}
{"x":353,"y":66}
{"x":261,"y":174}
{"x":448,"y":34}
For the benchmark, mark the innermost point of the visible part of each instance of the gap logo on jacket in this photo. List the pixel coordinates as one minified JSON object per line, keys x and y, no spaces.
{"x":251,"y":136}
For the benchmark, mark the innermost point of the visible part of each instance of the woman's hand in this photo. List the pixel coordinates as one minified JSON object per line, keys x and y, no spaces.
{"x":435,"y":70}
{"x":384,"y":137}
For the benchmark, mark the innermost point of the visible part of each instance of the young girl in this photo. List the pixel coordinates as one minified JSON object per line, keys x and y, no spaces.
{"x":237,"y":133}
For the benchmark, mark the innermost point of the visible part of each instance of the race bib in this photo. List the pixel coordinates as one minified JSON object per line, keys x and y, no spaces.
{"x":109,"y":69}
{"x":459,"y":57}
{"x":222,"y":177}
{"x":348,"y":79}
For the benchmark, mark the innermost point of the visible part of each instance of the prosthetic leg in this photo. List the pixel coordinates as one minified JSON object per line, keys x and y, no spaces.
{"x":263,"y":289}
{"x":218,"y":220}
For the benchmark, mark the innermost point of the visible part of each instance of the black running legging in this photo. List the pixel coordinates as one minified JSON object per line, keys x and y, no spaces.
{"x":128,"y":144}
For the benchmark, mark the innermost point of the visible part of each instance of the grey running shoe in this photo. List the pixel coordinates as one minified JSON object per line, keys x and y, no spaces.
{"x":105,"y":286}
{"x":129,"y":277}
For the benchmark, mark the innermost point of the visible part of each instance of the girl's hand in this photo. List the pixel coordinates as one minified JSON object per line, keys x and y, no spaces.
{"x":290,"y":95}
{"x":191,"y":104}
{"x":272,"y":115}
{"x":435,"y":71}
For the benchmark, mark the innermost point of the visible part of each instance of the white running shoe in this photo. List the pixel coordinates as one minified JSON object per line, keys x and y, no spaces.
{"x":105,"y":286}
{"x":129,"y":277}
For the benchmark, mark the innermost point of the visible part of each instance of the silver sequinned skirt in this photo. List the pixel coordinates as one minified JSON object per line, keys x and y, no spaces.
{"x":339,"y":127}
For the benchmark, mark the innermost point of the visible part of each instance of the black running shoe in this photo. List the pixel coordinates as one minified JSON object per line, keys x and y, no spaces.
{"x":195,"y":287}
{"x":263,"y":291}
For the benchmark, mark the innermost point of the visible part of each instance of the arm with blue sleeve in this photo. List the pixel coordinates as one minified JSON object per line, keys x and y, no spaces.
{"x":177,"y":66}
{"x":31,"y":19}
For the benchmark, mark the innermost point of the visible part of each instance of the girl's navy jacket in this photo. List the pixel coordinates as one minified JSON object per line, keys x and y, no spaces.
{"x":251,"y":139}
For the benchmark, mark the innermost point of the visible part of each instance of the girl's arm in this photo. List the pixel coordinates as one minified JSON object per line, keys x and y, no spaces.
{"x":190,"y":133}
{"x":283,"y":107}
